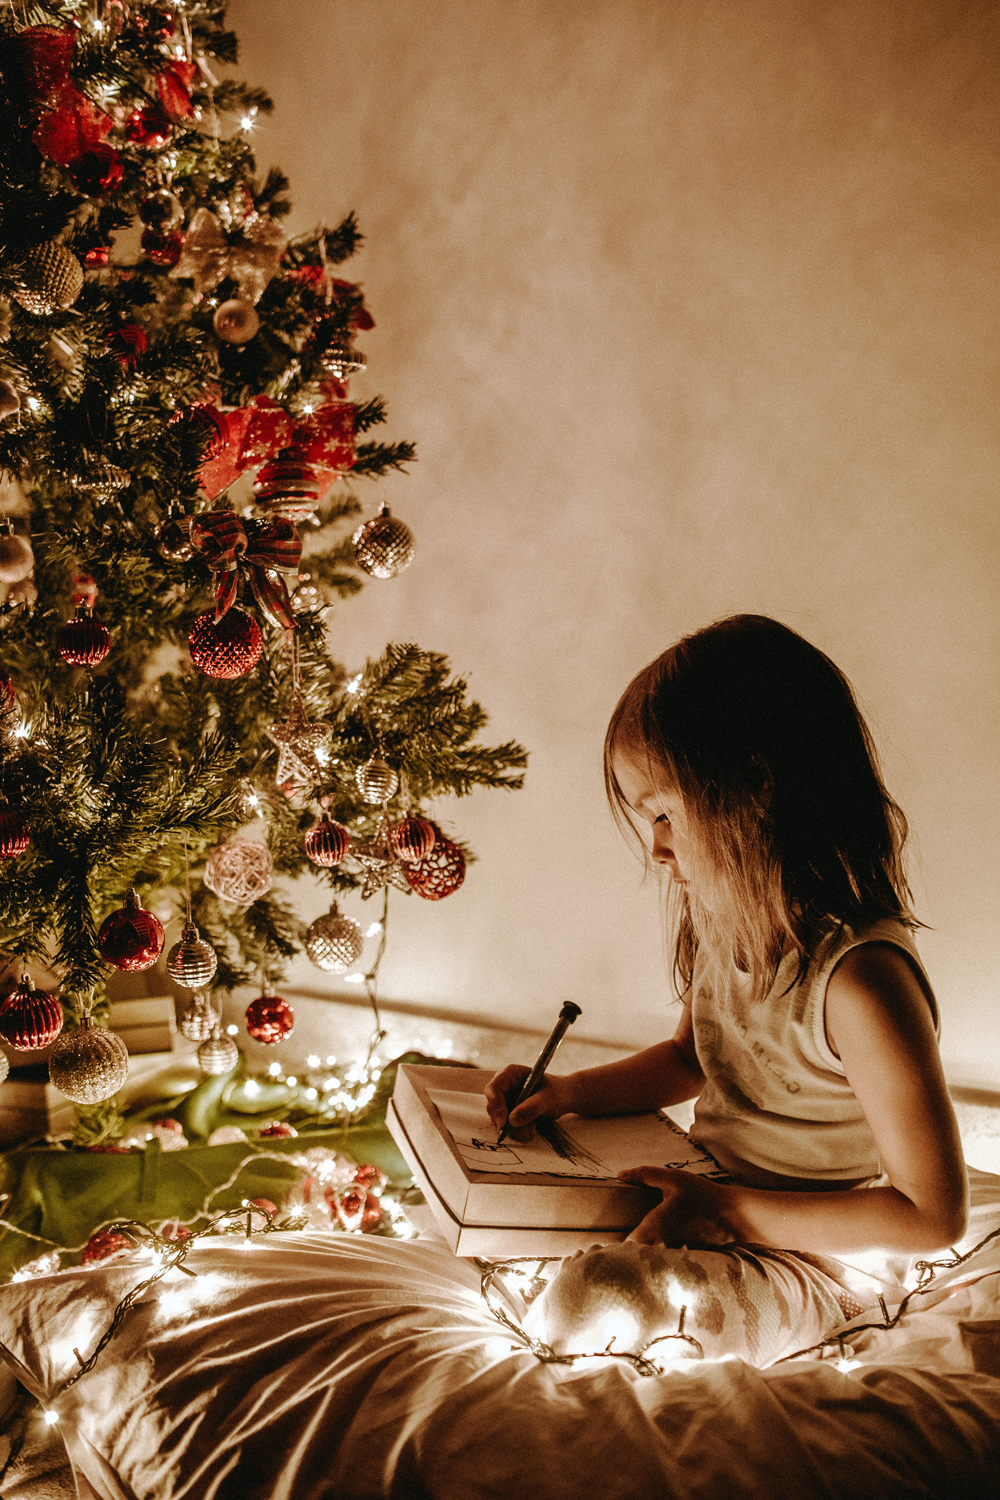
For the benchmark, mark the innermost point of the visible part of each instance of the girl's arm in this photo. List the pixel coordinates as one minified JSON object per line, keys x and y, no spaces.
{"x":879,"y":1023}
{"x":648,"y":1080}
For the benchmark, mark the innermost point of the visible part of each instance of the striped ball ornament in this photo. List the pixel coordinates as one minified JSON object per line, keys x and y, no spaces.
{"x":84,"y":641}
{"x":326,"y":842}
{"x":30,"y":1019}
{"x":15,"y":832}
{"x":411,"y":839}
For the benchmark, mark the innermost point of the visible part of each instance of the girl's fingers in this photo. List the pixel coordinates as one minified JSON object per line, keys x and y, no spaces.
{"x":509,"y":1078}
{"x":655,"y":1177}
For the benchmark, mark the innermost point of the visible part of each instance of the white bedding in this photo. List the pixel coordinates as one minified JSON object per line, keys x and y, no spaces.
{"x":338,"y":1366}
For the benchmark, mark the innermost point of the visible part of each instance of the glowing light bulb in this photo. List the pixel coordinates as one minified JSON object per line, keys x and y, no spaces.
{"x":312,"y":1093}
{"x":252,"y":1087}
{"x":51,"y":1417}
{"x":374,"y":930}
{"x":330,"y":1059}
{"x":355,"y":682}
{"x":354,"y":979}
{"x":274,"y":1069}
{"x":232,"y":1030}
{"x":312,"y":1061}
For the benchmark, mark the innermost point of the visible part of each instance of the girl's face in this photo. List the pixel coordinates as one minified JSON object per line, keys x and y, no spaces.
{"x":674,"y":845}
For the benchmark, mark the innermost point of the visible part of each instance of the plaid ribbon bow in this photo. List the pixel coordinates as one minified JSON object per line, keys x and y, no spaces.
{"x":263,"y":549}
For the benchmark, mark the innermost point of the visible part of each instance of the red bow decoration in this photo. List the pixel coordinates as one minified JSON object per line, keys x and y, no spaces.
{"x":252,"y":434}
{"x":72,"y":123}
{"x":265,"y":549}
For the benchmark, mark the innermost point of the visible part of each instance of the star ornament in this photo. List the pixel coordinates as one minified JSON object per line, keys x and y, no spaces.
{"x":302,"y":746}
{"x":380,"y":866}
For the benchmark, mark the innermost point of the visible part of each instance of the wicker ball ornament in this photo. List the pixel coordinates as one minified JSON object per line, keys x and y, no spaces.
{"x":376,"y":780}
{"x":383,"y":547}
{"x":16,"y":557}
{"x":270,"y":1019}
{"x":15,"y":832}
{"x":218,"y":1054}
{"x":411,"y":839}
{"x":197,"y":1021}
{"x":334,"y":942}
{"x":230,"y":648}
{"x":236,"y":321}
{"x":89,"y":1064}
{"x":327,"y":842}
{"x":51,"y":278}
{"x":84,"y":641}
{"x":191,"y":962}
{"x":30,"y":1019}
{"x":131,"y":938}
{"x":240,"y":871}
{"x":439,"y":873}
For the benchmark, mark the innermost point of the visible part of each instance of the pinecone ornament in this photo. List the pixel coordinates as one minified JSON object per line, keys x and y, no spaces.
{"x":51,"y":278}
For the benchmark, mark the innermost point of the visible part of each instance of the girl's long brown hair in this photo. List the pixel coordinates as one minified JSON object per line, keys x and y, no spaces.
{"x":762,"y":735}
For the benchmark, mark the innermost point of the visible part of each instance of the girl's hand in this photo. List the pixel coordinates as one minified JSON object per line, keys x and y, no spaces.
{"x":552,"y":1100}
{"x":692,"y":1211}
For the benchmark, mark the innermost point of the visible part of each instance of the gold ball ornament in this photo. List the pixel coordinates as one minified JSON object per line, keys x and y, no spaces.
{"x":383,"y":547}
{"x":236,"y":321}
{"x":51,"y":278}
{"x":191,"y":962}
{"x":218,"y":1054}
{"x":240,"y":871}
{"x":198,"y":1021}
{"x":88,"y":1064}
{"x":376,"y":780}
{"x":334,"y":942}
{"x":16,"y":557}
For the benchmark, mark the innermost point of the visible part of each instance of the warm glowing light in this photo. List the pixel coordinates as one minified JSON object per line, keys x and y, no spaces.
{"x":291,"y":1080}
{"x":232,"y":1030}
{"x":355,"y":682}
{"x":247,"y":121}
{"x":312,"y":1061}
{"x":330,"y":1059}
{"x":252,"y":1087}
{"x":498,"y":1348}
{"x":51,"y":1417}
{"x":354,"y":979}
{"x":312,"y":1093}
{"x":274,"y":1069}
{"x":374,"y":930}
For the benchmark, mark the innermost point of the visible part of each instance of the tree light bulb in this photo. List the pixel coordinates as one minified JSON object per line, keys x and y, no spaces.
{"x":312,"y":1061}
{"x":355,"y":682}
{"x":374,"y":930}
{"x":51,"y":1417}
{"x":232,"y":1031}
{"x":354,"y":979}
{"x":274,"y":1069}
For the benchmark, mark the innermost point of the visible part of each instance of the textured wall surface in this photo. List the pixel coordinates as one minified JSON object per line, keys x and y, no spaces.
{"x":691,"y":307}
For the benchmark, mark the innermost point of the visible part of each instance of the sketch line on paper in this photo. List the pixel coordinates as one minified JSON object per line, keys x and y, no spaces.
{"x":565,"y":1147}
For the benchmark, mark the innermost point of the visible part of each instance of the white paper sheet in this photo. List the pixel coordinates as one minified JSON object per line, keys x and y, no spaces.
{"x":572,"y":1146}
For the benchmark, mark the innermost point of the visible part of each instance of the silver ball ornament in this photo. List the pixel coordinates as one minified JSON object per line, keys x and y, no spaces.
{"x":376,"y":780}
{"x":88,"y":1064}
{"x":383,"y":547}
{"x":218,"y":1054}
{"x":192,"y":961}
{"x":198,"y":1021}
{"x":334,"y":942}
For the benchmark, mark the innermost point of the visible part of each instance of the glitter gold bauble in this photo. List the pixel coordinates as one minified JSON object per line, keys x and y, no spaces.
{"x":326,"y":842}
{"x":89,"y":1064}
{"x":334,"y":942}
{"x":270,"y":1019}
{"x":84,"y":641}
{"x":236,"y":321}
{"x":197,"y":1021}
{"x":51,"y":277}
{"x":218,"y":1054}
{"x":376,"y":780}
{"x":241,"y":871}
{"x":30,"y":1019}
{"x":383,"y":546}
{"x":192,"y":961}
{"x":228,"y":648}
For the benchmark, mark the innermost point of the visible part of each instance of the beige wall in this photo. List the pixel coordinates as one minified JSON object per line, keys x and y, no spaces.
{"x":691,"y":306}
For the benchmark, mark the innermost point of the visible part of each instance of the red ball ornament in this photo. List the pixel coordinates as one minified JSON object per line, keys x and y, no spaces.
{"x":84,"y":641}
{"x":15,"y":832}
{"x":411,"y":839}
{"x":326,"y":842}
{"x":265,"y":1205}
{"x":97,"y":257}
{"x":270,"y":1020}
{"x":162,"y":247}
{"x":103,"y":1244}
{"x":439,"y":873}
{"x":97,"y":171}
{"x":277,"y":1131}
{"x":149,"y":126}
{"x":131,"y":938}
{"x":231,"y":648}
{"x":370,"y":1176}
{"x":30,"y":1018}
{"x":128,"y":343}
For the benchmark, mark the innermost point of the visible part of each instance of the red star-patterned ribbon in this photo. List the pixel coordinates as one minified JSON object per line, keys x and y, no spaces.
{"x":264,"y":550}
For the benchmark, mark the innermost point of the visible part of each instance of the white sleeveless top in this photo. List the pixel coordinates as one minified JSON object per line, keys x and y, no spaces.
{"x":776,"y":1096}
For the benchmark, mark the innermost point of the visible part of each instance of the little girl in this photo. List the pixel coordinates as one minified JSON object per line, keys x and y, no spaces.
{"x":808,"y":1035}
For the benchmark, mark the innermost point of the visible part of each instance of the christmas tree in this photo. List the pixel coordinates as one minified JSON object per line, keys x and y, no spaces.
{"x":166,"y":677}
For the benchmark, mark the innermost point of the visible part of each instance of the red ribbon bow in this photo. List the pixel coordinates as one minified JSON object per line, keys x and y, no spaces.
{"x":264,"y":549}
